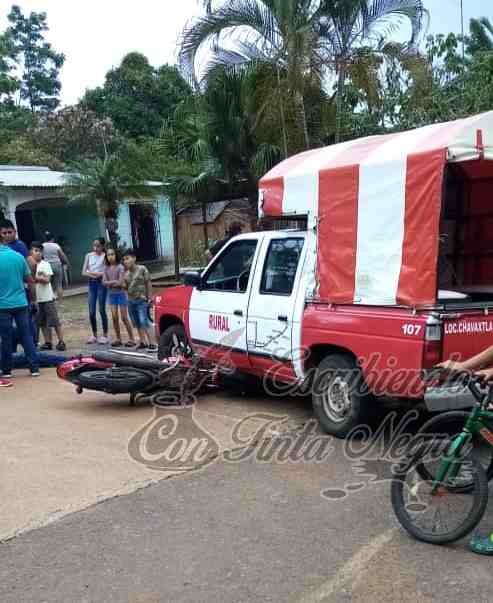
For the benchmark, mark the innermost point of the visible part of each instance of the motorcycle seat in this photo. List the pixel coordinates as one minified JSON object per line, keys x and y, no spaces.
{"x":133,"y":359}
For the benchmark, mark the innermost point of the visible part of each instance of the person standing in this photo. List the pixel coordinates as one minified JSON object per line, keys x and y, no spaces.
{"x":137,"y":282}
{"x":93,"y":269}
{"x":55,"y":256}
{"x":14,"y":274}
{"x":47,"y":316}
{"x":117,"y":297}
{"x":8,"y":234}
{"x":234,"y":229}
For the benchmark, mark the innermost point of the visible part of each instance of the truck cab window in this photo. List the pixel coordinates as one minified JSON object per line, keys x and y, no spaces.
{"x":280,"y":266}
{"x":231,"y":271}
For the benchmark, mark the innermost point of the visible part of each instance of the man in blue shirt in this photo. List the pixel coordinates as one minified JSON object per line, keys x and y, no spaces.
{"x":14,"y":273}
{"x":9,"y":236}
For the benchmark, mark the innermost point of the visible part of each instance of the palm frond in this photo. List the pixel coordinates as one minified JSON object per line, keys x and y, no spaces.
{"x":247,"y":15}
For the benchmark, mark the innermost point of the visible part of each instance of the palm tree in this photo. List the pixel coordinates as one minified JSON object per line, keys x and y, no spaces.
{"x":104,"y":183}
{"x":281,"y":33}
{"x":480,"y":38}
{"x":356,"y":32}
{"x":224,"y":139}
{"x":304,"y":40}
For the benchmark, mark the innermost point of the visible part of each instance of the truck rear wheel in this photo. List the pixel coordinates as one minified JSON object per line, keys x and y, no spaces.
{"x":339,"y":397}
{"x":173,"y":341}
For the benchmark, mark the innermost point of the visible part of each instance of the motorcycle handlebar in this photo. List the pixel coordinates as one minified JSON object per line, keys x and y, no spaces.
{"x":474,"y":382}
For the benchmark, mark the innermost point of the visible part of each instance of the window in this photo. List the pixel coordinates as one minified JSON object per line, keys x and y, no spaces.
{"x":280,"y":266}
{"x":231,"y":271}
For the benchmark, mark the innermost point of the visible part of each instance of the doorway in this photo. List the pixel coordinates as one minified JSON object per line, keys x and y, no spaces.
{"x":25,"y":226}
{"x":145,"y":231}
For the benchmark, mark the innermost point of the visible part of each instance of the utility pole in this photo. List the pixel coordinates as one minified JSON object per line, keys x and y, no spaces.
{"x":462,"y":29}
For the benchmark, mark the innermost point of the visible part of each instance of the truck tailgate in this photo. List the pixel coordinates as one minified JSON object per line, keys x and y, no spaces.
{"x":466,"y":333}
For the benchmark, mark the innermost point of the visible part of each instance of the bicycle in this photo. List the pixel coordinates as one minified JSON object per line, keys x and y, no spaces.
{"x":445,"y":472}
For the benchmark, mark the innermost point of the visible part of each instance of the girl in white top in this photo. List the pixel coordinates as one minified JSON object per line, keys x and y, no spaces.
{"x":93,"y":269}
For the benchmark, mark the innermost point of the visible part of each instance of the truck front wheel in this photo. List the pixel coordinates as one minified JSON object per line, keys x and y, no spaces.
{"x":339,"y":396}
{"x":173,"y":342}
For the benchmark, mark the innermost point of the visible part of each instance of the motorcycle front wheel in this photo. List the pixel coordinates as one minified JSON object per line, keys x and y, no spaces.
{"x":116,"y":380}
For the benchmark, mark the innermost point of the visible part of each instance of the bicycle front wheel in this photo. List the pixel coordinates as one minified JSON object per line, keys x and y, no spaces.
{"x":443,"y":513}
{"x":450,"y":424}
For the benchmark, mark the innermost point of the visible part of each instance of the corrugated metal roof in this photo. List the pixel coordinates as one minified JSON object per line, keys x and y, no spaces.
{"x":28,"y":176}
{"x":213,"y":211}
{"x":16,"y":176}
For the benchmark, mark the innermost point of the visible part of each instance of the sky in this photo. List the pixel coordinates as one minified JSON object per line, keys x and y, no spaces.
{"x":94,"y":35}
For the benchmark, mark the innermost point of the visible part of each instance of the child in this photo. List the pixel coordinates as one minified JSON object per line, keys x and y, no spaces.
{"x":47,"y":317}
{"x":117,"y":298}
{"x":137,"y":282}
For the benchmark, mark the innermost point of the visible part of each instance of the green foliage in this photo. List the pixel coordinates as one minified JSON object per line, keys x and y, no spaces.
{"x":227,"y":136}
{"x":480,"y":38}
{"x":9,"y":84}
{"x":73,"y":133}
{"x":38,"y":62}
{"x":22,"y":151}
{"x":450,"y":87}
{"x":14,"y":121}
{"x":304,"y":41}
{"x":137,"y":97}
{"x":104,"y":183}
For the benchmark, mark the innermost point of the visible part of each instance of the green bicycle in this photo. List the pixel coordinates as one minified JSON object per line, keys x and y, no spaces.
{"x":439,"y":492}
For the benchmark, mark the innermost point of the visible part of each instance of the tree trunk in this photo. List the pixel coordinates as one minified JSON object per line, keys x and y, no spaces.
{"x":176,"y":243}
{"x":204,"y":224}
{"x":283,"y":117}
{"x":340,"y":93}
{"x":306,"y":136}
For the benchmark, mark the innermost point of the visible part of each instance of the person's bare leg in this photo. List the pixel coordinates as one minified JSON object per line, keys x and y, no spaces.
{"x":151,"y":336}
{"x":116,"y":322}
{"x":142,"y":336}
{"x":127,"y":323}
{"x":47,"y":334}
{"x":59,"y":333}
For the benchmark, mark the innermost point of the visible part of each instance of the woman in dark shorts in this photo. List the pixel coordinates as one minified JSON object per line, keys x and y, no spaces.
{"x":117,"y":297}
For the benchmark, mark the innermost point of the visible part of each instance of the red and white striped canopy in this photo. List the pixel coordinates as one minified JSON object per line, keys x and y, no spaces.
{"x":377,"y":203}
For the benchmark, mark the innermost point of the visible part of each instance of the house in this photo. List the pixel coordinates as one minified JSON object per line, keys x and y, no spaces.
{"x":219,"y":215}
{"x":35,"y":199}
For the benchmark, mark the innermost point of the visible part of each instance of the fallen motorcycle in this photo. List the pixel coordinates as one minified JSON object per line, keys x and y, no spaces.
{"x":172,"y":381}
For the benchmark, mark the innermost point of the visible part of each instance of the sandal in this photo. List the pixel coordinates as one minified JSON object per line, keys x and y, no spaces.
{"x":482,"y":545}
{"x":116,"y":344}
{"x":130,"y":344}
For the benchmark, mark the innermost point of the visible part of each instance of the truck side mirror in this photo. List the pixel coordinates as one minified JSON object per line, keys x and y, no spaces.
{"x":193,"y":279}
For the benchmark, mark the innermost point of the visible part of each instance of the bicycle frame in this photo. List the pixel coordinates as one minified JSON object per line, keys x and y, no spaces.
{"x":475,"y":424}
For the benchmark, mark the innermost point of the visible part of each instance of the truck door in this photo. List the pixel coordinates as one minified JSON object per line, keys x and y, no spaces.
{"x":271,"y":312}
{"x":218,"y":309}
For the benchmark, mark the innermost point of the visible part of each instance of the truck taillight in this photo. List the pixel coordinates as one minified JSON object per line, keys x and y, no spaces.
{"x":432,"y":350}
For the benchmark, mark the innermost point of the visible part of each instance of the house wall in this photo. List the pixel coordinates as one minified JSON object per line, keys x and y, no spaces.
{"x":165,"y":215}
{"x":76,"y":227}
{"x":163,"y":227}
